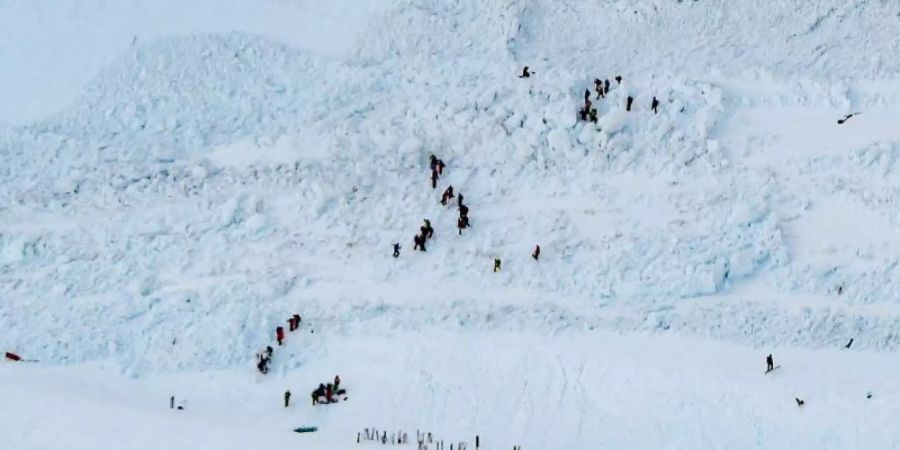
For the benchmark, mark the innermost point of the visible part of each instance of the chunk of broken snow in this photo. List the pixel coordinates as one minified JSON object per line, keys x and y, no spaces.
{"x":613,"y":121}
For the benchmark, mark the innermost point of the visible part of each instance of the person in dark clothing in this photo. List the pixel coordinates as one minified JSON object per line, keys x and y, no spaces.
{"x":463,"y":211}
{"x":654,"y":105}
{"x":419,"y":242}
{"x":606,"y":86}
{"x":447,"y":195}
{"x":291,"y":326}
{"x":434,"y":178}
{"x":536,"y":253}
{"x":263,"y":365}
{"x":619,"y":79}
{"x":587,"y":96}
{"x":459,"y":199}
{"x":269,"y":351}
{"x":592,"y":115}
{"x":287,"y":398}
{"x":337,"y":383}
{"x":525,"y":73}
{"x":496,"y":264}
{"x":770,"y":363}
{"x":297,"y":320}
{"x":598,"y":88}
{"x":318,"y":393}
{"x":279,"y":334}
{"x":460,"y":224}
{"x":396,"y":249}
{"x":440,"y":167}
{"x":329,"y":393}
{"x":427,"y":230}
{"x":628,"y":103}
{"x":433,"y":160}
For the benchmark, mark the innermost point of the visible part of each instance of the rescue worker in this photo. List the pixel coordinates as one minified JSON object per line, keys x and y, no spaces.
{"x":287,"y":398}
{"x":654,"y":105}
{"x":279,"y":334}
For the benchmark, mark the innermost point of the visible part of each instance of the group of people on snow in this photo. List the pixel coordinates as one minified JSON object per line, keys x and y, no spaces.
{"x":264,"y":357}
{"x":328,"y":393}
{"x":601,"y":88}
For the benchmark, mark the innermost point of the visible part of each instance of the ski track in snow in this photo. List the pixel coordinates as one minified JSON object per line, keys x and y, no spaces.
{"x":189,"y":185}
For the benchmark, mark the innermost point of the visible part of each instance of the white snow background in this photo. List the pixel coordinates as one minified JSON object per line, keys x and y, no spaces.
{"x":178,"y":177}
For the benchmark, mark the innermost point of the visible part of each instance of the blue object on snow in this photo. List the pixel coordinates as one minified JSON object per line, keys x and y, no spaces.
{"x":305,"y":429}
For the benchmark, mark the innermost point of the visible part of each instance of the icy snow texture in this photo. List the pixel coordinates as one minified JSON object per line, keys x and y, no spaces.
{"x":203,"y":185}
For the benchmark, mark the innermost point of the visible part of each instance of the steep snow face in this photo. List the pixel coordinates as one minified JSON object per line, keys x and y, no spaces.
{"x":205,"y":183}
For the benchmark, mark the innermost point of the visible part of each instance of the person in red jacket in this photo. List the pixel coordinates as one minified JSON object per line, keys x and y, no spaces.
{"x":279,"y":334}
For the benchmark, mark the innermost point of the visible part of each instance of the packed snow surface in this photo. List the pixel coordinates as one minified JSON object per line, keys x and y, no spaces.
{"x":179,"y":177}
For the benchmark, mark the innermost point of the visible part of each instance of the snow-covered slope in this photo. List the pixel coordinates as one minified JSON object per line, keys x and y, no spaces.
{"x":182,"y":176}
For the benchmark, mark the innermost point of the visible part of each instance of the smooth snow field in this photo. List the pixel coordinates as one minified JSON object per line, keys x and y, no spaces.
{"x":178,"y":177}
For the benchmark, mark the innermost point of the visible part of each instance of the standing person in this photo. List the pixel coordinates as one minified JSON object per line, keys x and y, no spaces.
{"x":460,"y":224}
{"x":770,"y":363}
{"x":536,"y":253}
{"x":496,"y":265}
{"x":290,"y":322}
{"x":654,"y":105}
{"x":440,"y":166}
{"x":419,"y":242}
{"x":434,"y":178}
{"x":433,"y":161}
{"x":297,"y":320}
{"x":427,"y":231}
{"x":463,"y":211}
{"x":269,"y":351}
{"x":329,"y":393}
{"x":587,"y":96}
{"x":337,"y":383}
{"x":606,"y":86}
{"x":459,"y":199}
{"x":447,"y":195}
{"x":396,"y":249}
{"x":279,"y":334}
{"x":287,"y":398}
{"x":619,"y":79}
{"x":628,"y":103}
{"x":598,"y":88}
